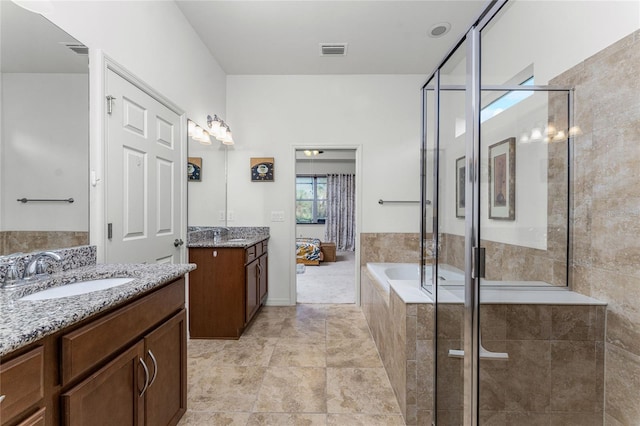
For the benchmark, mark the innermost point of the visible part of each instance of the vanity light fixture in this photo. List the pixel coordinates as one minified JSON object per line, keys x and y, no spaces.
{"x":312,"y":152}
{"x":220,"y":130}
{"x":198,"y":133}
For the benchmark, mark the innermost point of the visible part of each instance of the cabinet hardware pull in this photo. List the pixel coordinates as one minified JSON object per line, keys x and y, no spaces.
{"x":146,"y":377}
{"x":2,"y":397}
{"x":155,"y":367}
{"x":215,"y":253}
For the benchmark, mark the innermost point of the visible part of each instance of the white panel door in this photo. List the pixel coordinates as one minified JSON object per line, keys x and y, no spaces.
{"x":143,"y":174}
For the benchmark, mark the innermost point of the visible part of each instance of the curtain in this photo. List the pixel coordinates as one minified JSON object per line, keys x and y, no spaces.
{"x":341,"y":206}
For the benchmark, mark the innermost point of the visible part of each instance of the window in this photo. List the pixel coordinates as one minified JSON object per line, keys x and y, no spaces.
{"x":506,"y":101}
{"x":311,"y":199}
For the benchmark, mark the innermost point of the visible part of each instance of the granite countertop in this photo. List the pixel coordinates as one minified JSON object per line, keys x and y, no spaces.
{"x":233,"y":237}
{"x":228,"y":242}
{"x":24,"y":322}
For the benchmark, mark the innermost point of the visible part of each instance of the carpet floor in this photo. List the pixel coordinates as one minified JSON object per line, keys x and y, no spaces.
{"x":329,"y":282}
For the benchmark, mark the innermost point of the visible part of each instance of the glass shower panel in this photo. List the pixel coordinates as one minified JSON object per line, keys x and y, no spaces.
{"x":524,"y":216}
{"x":524,"y":231}
{"x":428,"y":168}
{"x":449,"y":230}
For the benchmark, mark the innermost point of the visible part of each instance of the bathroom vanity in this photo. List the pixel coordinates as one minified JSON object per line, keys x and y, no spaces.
{"x":230,"y":284}
{"x":117,"y":353}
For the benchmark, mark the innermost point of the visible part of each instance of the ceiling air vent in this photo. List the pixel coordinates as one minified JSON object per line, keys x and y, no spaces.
{"x":333,"y":49}
{"x":77,"y":48}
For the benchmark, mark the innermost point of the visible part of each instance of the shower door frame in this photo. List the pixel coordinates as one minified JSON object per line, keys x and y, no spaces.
{"x":474,"y":256}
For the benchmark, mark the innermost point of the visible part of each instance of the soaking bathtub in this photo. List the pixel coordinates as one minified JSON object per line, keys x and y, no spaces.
{"x":404,"y":278}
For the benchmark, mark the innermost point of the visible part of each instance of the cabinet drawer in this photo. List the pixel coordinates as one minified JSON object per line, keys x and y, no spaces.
{"x":37,"y":419}
{"x":255,"y":251}
{"x":88,"y":346}
{"x":21,"y":383}
{"x":251,"y":254}
{"x":265,"y":245}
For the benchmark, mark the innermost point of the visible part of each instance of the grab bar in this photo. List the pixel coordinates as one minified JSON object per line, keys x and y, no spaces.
{"x":381,"y":201}
{"x":26,"y":200}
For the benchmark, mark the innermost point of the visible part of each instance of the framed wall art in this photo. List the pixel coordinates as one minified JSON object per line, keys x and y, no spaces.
{"x":502,"y":180}
{"x":461,"y":177}
{"x":262,"y":169}
{"x":194,"y":169}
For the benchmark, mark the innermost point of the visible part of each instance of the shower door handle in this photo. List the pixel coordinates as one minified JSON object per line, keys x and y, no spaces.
{"x":484,"y":354}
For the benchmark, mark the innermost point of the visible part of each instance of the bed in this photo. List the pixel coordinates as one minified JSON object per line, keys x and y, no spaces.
{"x":308,"y":251}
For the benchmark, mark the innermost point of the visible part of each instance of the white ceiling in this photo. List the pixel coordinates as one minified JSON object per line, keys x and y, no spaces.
{"x":283,"y":37}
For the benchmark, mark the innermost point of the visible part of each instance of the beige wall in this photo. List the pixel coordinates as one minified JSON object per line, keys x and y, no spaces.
{"x":606,"y":244}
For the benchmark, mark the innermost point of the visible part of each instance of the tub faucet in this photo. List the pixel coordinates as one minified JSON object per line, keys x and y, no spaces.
{"x":36,"y":266}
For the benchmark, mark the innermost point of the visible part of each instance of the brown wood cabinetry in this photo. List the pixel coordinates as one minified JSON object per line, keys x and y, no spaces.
{"x":21,"y":384}
{"x":145,"y":385}
{"x":124,"y":367}
{"x":226,"y":290}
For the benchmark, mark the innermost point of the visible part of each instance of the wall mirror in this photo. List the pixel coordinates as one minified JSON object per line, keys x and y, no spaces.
{"x":44,"y":137}
{"x":207,"y":183}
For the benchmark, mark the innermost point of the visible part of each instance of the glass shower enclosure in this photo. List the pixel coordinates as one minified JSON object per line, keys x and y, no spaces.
{"x":496,"y":156}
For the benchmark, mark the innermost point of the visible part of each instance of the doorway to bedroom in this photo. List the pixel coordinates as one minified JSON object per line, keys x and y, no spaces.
{"x":325,"y":225}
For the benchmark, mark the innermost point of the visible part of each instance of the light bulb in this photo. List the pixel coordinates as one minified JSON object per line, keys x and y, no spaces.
{"x":198,"y":133}
{"x":206,"y":139}
{"x":536,"y":134}
{"x":307,"y":153}
{"x":191,"y":127}
{"x":228,"y":138}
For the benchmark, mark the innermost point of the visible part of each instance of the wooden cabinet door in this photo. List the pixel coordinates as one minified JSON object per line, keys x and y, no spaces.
{"x":21,"y":384}
{"x":166,"y":356}
{"x":216,"y":292}
{"x":263,"y":279}
{"x":111,"y":396}
{"x":252,"y":302}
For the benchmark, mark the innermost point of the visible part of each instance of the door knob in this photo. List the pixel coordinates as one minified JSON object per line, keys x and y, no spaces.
{"x":178,"y":242}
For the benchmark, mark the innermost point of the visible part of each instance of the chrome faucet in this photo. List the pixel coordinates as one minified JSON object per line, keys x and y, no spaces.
{"x":36,"y":266}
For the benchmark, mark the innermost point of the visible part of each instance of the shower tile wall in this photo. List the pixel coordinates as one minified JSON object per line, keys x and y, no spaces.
{"x":606,"y":228}
{"x":555,"y":370}
{"x":508,"y":261}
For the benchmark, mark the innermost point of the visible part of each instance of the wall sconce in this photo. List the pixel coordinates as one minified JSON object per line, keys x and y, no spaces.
{"x":220,"y":130}
{"x":198,"y":133}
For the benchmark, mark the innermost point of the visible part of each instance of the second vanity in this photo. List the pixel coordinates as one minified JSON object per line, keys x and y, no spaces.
{"x":117,"y":353}
{"x":231,"y":282}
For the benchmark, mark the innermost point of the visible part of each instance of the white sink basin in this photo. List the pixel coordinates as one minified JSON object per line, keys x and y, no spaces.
{"x":77,"y":288}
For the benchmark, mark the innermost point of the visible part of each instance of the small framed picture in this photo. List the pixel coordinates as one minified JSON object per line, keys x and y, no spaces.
{"x":502,"y":180}
{"x":461,"y":177}
{"x":262,"y":169}
{"x":194,"y":169}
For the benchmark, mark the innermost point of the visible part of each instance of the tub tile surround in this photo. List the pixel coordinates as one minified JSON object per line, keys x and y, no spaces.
{"x":405,"y":345}
{"x":554,"y":375}
{"x":389,"y":247}
{"x":24,"y":322}
{"x":606,"y":200}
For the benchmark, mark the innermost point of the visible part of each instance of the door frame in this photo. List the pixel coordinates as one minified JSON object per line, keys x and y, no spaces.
{"x":99,"y":64}
{"x":293,"y":283}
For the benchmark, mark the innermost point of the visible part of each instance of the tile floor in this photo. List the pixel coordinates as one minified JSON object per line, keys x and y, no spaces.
{"x":295,"y":365}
